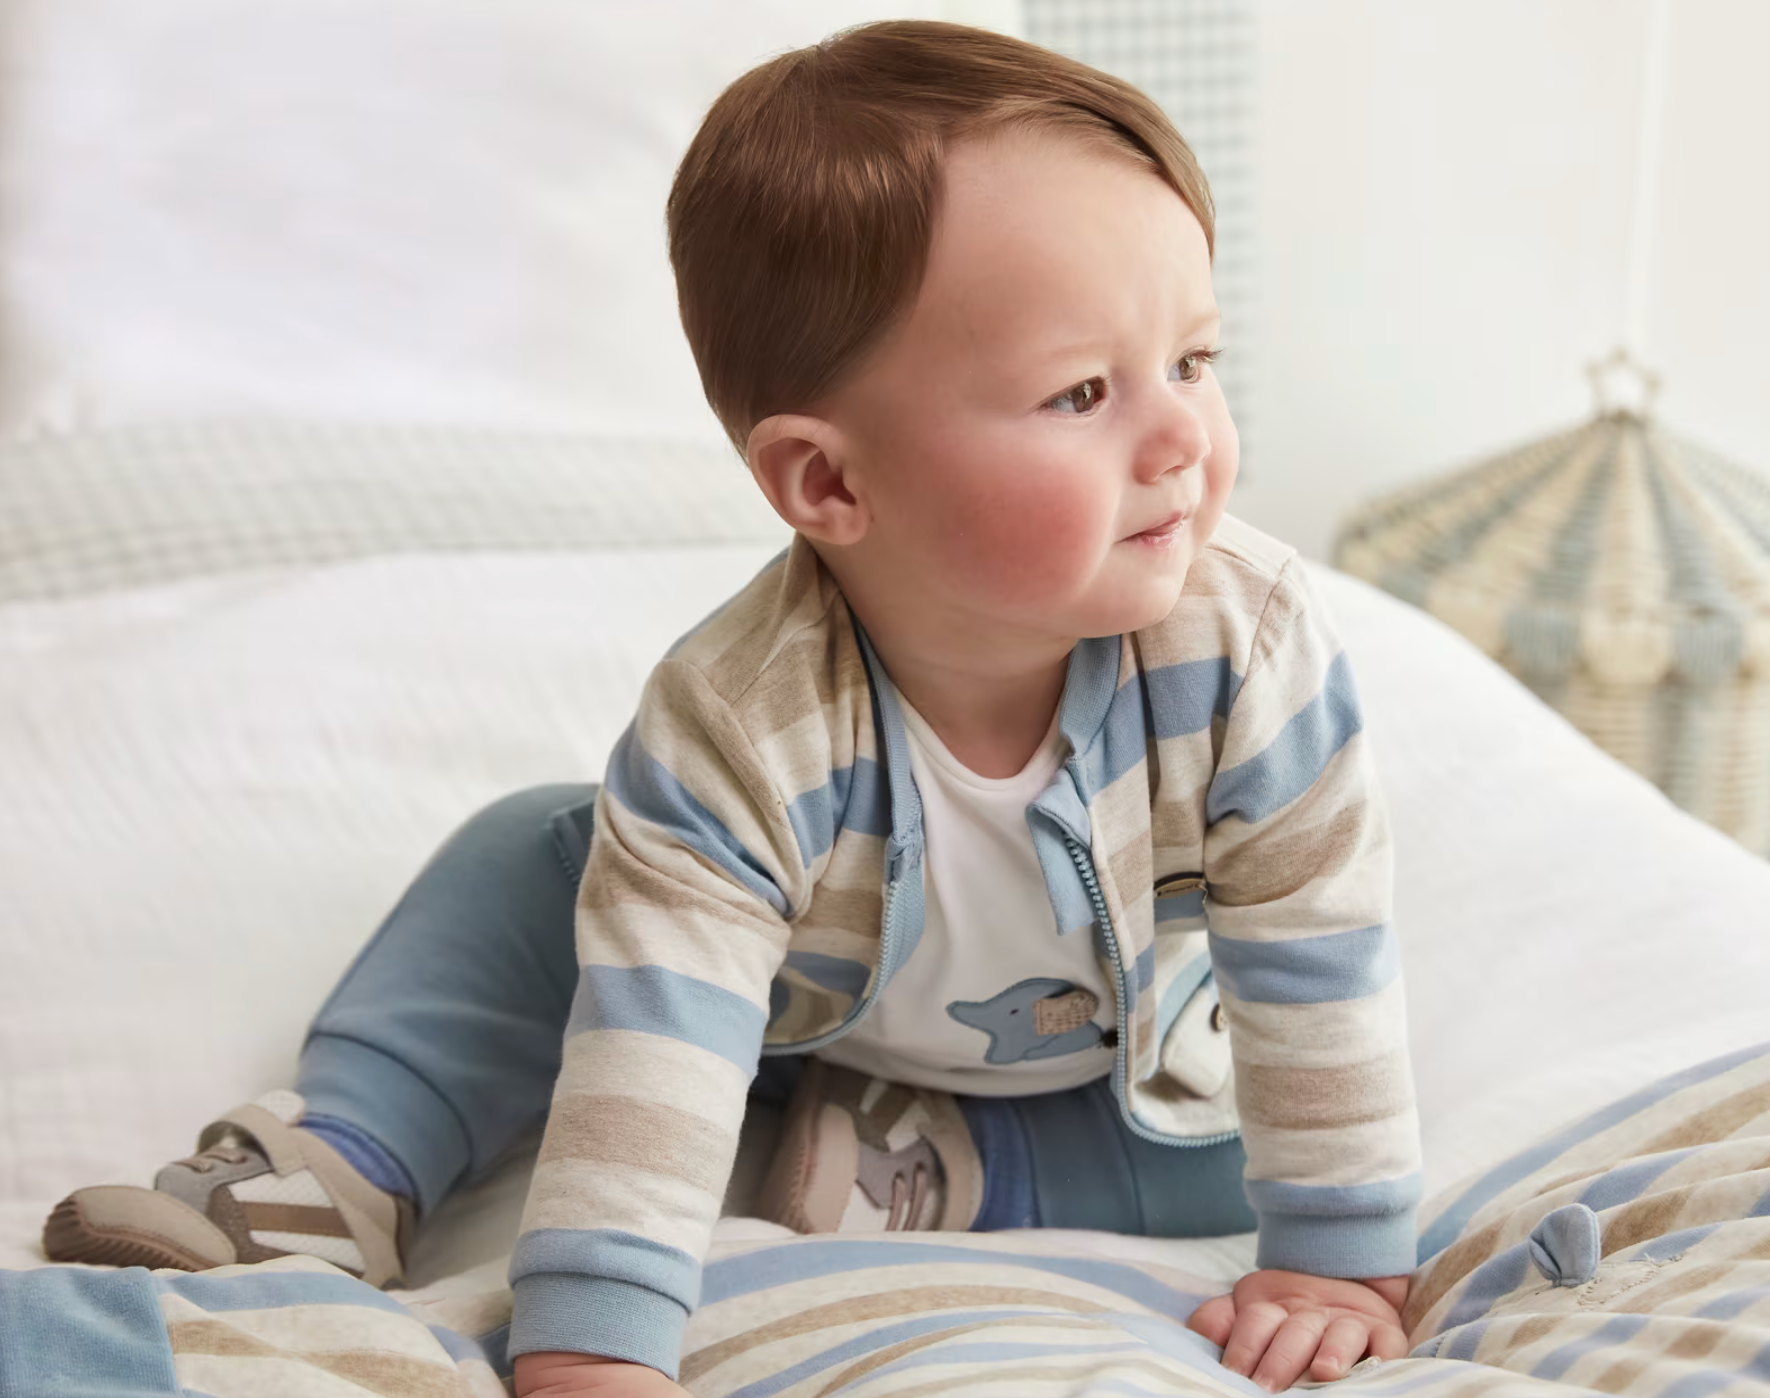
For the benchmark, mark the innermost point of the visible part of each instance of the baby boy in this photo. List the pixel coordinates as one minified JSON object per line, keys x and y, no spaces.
{"x":1026,"y":792}
{"x":1015,"y":829}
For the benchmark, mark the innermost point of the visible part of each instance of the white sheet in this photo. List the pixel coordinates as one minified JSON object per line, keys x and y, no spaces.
{"x":212,"y":791}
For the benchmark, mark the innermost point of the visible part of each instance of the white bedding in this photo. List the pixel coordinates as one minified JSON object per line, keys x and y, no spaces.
{"x":212,"y":790}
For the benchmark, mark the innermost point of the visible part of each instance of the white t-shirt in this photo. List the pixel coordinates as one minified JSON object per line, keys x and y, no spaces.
{"x":992,"y":1002}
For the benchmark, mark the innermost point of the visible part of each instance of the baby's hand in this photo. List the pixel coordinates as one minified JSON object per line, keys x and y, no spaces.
{"x":555,"y":1374}
{"x":1286,"y":1322}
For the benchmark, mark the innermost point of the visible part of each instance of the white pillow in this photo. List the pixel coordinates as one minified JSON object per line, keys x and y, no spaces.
{"x":388,"y":210}
{"x":1567,"y":933}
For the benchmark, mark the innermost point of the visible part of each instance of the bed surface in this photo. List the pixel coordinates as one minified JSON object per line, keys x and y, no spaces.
{"x":216,"y":787}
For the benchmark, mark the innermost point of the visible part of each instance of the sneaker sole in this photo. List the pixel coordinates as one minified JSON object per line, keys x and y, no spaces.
{"x":68,"y":1237}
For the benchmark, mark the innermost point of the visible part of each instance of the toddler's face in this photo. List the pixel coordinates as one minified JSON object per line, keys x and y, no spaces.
{"x":1033,"y":429}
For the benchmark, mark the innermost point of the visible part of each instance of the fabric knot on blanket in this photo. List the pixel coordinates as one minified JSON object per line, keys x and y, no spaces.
{"x":1566,"y":1245}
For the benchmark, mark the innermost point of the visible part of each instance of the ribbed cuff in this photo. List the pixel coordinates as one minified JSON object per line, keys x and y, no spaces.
{"x":79,"y":1331}
{"x":595,"y":1315}
{"x":1345,"y":1245}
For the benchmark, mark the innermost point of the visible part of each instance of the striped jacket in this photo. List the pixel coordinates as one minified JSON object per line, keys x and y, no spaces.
{"x":754,"y":880}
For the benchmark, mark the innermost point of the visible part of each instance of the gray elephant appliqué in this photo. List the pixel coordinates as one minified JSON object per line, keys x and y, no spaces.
{"x":1040,"y":1018}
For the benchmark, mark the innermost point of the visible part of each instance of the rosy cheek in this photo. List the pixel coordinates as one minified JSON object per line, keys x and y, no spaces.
{"x":1026,"y":540}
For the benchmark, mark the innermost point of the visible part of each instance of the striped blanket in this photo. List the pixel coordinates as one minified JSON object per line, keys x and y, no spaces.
{"x":1628,"y":1253}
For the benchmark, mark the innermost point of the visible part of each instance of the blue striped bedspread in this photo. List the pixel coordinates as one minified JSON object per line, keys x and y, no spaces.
{"x":1627,"y":1253}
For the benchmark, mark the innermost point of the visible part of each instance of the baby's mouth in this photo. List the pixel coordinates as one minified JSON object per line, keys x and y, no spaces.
{"x":1163,"y":531}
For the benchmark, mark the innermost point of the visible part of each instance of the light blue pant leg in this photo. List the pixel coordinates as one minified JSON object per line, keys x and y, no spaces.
{"x":443,"y":1039}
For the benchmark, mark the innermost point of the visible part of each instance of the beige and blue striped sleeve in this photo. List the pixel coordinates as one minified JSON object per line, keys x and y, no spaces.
{"x":1299,"y":869}
{"x":682,"y":922}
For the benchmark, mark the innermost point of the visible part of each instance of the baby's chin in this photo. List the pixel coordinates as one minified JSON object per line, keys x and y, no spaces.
{"x":1136,"y":608}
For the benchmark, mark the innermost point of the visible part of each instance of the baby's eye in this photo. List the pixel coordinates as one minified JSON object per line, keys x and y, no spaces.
{"x":1190,"y":368}
{"x":1080,"y":398}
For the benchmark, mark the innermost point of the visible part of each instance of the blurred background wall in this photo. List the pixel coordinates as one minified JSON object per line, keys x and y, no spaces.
{"x":1445,"y":196}
{"x":431,"y":211}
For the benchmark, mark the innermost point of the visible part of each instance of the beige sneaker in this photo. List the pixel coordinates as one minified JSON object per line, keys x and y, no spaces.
{"x":258,"y":1187}
{"x":859,"y":1154}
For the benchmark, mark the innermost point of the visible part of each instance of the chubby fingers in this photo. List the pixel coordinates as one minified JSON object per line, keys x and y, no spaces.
{"x":1388,"y":1341}
{"x":1348,"y":1339}
{"x":1342,"y":1345}
{"x":1292,"y":1349}
{"x":1213,"y":1319}
{"x":1267,"y":1339}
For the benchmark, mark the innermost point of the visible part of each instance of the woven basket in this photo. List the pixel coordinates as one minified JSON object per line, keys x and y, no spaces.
{"x":1621,"y":573}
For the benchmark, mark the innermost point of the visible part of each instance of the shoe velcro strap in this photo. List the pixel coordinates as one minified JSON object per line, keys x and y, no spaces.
{"x":279,"y":1144}
{"x":371,"y":1215}
{"x":950,"y":1135}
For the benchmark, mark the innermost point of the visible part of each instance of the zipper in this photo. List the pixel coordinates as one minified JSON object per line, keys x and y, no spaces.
{"x":1122,"y":1050}
{"x":887,"y":941}
{"x":896,"y":759}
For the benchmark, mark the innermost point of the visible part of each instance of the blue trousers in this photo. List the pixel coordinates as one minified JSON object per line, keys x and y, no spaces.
{"x":444,"y":1037}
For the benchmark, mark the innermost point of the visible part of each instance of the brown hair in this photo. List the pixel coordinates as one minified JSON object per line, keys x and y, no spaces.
{"x":801,"y":216}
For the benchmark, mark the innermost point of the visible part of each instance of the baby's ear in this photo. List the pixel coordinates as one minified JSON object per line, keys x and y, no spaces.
{"x":803,"y":466}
